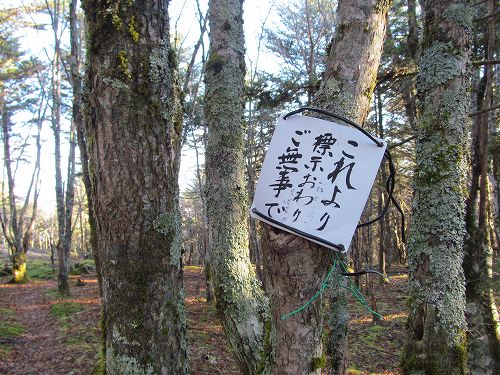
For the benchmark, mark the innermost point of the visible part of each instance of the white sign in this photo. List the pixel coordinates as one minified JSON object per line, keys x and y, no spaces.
{"x":316,"y":178}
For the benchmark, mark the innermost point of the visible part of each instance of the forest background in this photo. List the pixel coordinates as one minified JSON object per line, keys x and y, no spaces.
{"x":44,"y":209}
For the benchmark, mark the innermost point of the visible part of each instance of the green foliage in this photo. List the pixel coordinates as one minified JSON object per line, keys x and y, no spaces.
{"x":53,"y":293}
{"x":39,"y":269}
{"x":301,"y":22}
{"x":75,"y":272}
{"x":6,"y":313}
{"x":374,"y":334}
{"x":4,"y":351}
{"x":65,"y":309}
{"x":9,"y":329}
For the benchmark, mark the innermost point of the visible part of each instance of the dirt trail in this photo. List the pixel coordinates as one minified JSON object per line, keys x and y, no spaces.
{"x":52,"y":345}
{"x":38,"y":350}
{"x":69,"y":345}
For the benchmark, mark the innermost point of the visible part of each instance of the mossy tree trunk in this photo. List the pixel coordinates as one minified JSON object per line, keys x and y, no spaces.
{"x":240,"y":301}
{"x":16,"y":225}
{"x":481,"y":313}
{"x":295,"y":267}
{"x":134,"y":124}
{"x":436,"y":323}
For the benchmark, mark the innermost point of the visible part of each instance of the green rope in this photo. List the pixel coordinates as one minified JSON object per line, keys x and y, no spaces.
{"x":354,"y":290}
{"x":323,"y":286}
{"x":338,"y":279}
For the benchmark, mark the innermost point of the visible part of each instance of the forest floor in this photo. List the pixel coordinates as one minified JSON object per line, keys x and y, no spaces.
{"x":43,"y":333}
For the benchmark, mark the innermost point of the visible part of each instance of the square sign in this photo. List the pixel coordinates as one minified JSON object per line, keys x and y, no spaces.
{"x":316,"y":178}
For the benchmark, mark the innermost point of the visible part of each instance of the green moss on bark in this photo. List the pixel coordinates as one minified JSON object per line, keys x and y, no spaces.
{"x":318,"y":363}
{"x":215,"y":63}
{"x":437,"y":359}
{"x":123,"y":65}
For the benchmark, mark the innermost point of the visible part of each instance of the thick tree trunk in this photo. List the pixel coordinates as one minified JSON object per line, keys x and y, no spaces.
{"x":241,"y":303}
{"x":436,"y":324}
{"x":134,"y":126}
{"x":346,"y":89}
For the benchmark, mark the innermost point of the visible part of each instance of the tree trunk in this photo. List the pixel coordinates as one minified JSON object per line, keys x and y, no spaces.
{"x":11,"y":225}
{"x":384,"y":222}
{"x":481,"y":313}
{"x":16,"y":226}
{"x":346,"y":89}
{"x":81,"y":137}
{"x":240,"y":301}
{"x":436,"y":324}
{"x":134,"y":128}
{"x":407,"y":83}
{"x":64,"y":200}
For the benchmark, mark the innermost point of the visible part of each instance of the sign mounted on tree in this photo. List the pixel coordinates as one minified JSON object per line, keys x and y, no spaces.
{"x":316,"y":178}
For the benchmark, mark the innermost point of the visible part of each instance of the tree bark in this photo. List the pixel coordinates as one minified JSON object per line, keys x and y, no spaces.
{"x":240,"y":301}
{"x":64,"y":199}
{"x":436,"y":324}
{"x":346,"y":89}
{"x":481,"y":312}
{"x":134,"y":128}
{"x":77,"y":114}
{"x":16,"y":227}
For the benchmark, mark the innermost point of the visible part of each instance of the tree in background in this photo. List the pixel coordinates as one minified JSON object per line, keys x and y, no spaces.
{"x":436,"y":341}
{"x":240,"y":301}
{"x":300,"y":41}
{"x":17,"y":79}
{"x":133,"y":125}
{"x":64,"y":194}
{"x":294,"y":264}
{"x":483,"y":338}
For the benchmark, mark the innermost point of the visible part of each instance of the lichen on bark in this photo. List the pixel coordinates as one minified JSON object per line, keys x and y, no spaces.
{"x":134,"y":132}
{"x":436,"y":342}
{"x":240,"y":301}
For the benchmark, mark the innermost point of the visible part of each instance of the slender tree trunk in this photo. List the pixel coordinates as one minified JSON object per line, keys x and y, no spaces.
{"x":81,"y":104}
{"x":295,"y":267}
{"x":408,"y":83}
{"x":240,"y":301}
{"x":62,"y":241}
{"x":481,"y":312}
{"x":12,"y":231}
{"x":63,"y":277}
{"x":436,"y":324}
{"x":17,"y":228}
{"x":134,"y":128}
{"x":384,"y":222}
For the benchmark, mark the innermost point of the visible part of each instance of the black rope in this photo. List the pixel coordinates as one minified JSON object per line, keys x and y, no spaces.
{"x":390,"y":182}
{"x":338,"y":117}
{"x":361,"y":273}
{"x":339,"y":247}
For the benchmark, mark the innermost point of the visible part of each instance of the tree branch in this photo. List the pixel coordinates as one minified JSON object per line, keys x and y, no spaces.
{"x":486,"y":62}
{"x":484,"y":110}
{"x":488,"y":16}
